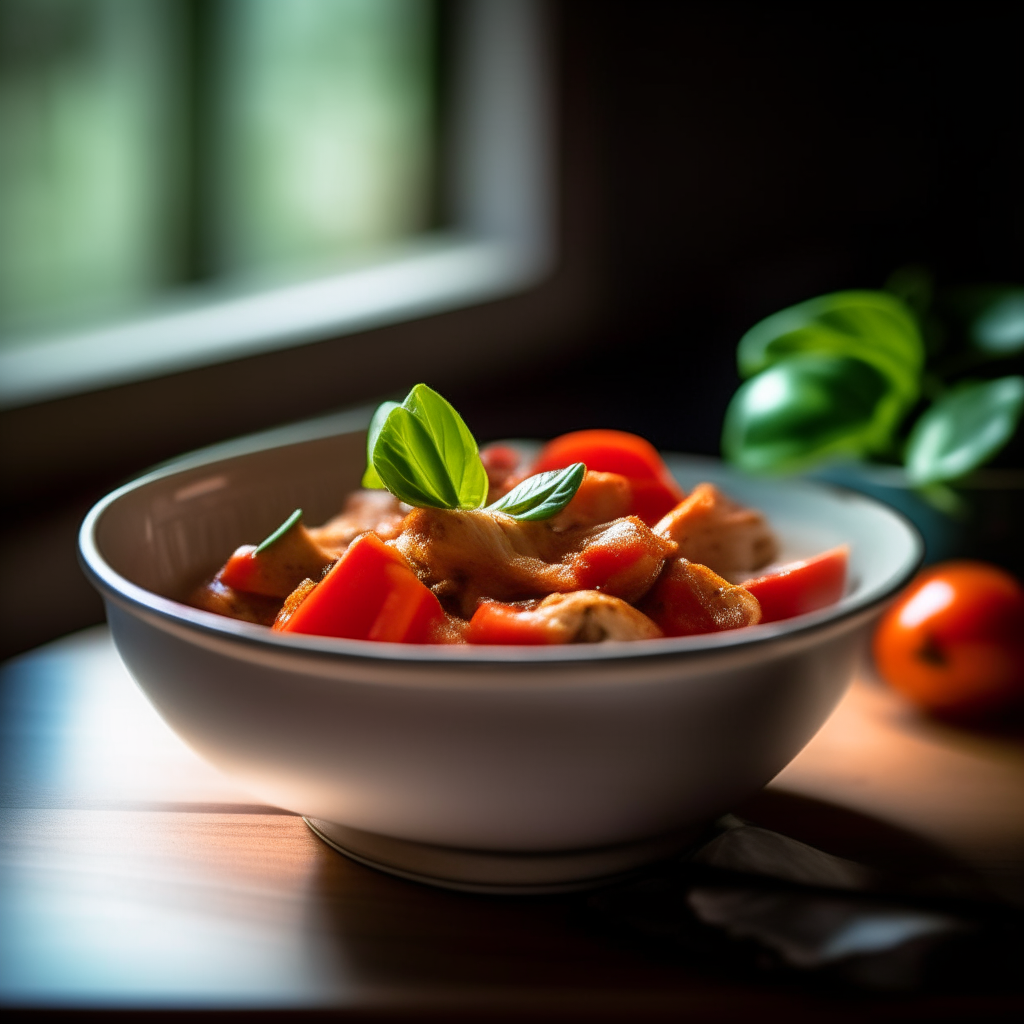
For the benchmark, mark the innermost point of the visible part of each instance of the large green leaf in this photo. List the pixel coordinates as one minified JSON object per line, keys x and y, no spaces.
{"x":963,"y":429}
{"x":804,"y":409}
{"x":425,"y":454}
{"x":875,"y":327}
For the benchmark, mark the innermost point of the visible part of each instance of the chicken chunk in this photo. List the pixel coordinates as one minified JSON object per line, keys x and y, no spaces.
{"x":277,"y":569}
{"x":582,"y":617}
{"x":720,"y":533}
{"x":379,"y":511}
{"x":465,"y":556}
{"x":216,"y":596}
{"x":601,"y":498}
{"x":622,"y":558}
{"x":689,"y":598}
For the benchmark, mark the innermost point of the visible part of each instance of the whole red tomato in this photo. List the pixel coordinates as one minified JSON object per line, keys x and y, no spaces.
{"x":954,"y":640}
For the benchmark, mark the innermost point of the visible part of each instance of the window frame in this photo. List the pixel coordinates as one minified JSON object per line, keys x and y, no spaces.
{"x":500,"y":241}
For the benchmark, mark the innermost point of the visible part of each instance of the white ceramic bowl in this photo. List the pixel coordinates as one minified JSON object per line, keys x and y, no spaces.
{"x":478,"y":767}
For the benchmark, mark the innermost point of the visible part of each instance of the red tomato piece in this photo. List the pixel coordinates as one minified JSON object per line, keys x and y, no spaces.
{"x":801,"y":587}
{"x":954,"y":640}
{"x":240,"y":568}
{"x":496,"y":623}
{"x":655,"y":492}
{"x":370,"y":594}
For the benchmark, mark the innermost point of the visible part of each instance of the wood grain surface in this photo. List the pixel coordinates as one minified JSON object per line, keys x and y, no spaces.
{"x":134,"y":876}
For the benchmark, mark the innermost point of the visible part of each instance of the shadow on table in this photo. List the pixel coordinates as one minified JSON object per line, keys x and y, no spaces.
{"x":641,"y":938}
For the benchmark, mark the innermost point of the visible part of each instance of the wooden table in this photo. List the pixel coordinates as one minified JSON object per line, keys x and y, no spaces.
{"x":135,"y":876}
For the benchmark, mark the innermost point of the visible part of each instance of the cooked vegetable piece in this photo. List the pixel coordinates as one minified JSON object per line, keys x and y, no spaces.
{"x":689,"y":598}
{"x":217,"y":597}
{"x":371,"y":594}
{"x":615,"y":451}
{"x":379,"y":511}
{"x":466,"y":556}
{"x":801,"y":587}
{"x":717,"y":532}
{"x":277,"y":566}
{"x":292,"y":602}
{"x":585,"y":616}
{"x":622,"y":558}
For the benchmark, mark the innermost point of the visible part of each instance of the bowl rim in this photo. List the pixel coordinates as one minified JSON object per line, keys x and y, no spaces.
{"x":113,"y":586}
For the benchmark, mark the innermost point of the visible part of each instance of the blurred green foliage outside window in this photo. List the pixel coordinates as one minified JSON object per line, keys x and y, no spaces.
{"x":149,"y":145}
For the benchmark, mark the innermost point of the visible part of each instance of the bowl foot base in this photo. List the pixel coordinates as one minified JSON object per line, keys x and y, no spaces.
{"x":511,"y":873}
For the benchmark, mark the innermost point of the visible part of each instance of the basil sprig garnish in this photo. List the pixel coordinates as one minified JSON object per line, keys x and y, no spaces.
{"x":424,"y":454}
{"x":542,"y":495}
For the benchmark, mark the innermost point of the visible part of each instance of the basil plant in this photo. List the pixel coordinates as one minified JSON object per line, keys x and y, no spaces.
{"x":849,"y":375}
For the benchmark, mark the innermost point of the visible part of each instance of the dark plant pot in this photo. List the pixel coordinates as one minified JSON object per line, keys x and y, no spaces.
{"x":990,"y":525}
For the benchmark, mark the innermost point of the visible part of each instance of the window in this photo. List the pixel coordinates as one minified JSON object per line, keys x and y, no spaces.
{"x":189,"y":181}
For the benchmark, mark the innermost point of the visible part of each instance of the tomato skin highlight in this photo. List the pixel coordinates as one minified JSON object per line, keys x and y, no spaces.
{"x":370,"y":594}
{"x":497,"y":623}
{"x":801,"y":587}
{"x":240,"y":569}
{"x":655,"y":492}
{"x":953,"y":643}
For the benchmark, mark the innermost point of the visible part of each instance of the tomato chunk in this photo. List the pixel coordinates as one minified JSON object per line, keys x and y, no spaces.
{"x":801,"y":587}
{"x":370,"y":594}
{"x":584,"y":616}
{"x":655,"y":492}
{"x":497,"y":623}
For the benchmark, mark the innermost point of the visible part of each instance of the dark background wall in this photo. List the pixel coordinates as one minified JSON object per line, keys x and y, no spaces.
{"x":753,"y":155}
{"x":718,"y":162}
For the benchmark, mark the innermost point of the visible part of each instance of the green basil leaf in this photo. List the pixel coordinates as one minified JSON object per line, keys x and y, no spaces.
{"x":280,"y":531}
{"x":875,"y":327}
{"x":805,"y":409}
{"x":425,"y":455}
{"x":370,"y":478}
{"x":542,"y":495}
{"x":963,"y":429}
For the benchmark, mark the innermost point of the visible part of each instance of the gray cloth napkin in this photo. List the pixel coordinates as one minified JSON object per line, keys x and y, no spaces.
{"x":812,"y":911}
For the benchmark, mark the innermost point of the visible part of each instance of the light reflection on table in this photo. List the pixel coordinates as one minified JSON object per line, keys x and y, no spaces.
{"x":134,"y":874}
